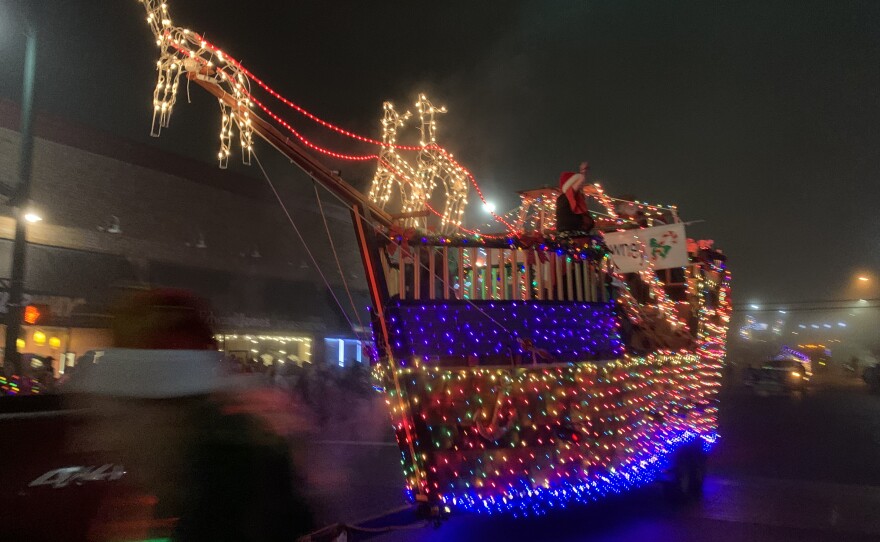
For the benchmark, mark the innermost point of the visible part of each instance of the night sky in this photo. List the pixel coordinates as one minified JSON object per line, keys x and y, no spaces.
{"x":761,"y":118}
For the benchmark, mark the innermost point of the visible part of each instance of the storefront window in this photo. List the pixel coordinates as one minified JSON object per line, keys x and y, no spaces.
{"x":61,"y":346}
{"x":343,"y":352}
{"x":267,"y":349}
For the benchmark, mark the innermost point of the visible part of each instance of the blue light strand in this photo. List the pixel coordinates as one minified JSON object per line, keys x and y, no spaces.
{"x":567,"y":332}
{"x":643,"y":469}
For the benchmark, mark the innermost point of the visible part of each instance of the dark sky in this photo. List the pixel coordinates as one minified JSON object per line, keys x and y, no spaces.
{"x":761,"y":118}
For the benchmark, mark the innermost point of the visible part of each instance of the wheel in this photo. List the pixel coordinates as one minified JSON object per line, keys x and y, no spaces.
{"x":697,"y":477}
{"x":687,"y":475}
{"x":677,"y":489}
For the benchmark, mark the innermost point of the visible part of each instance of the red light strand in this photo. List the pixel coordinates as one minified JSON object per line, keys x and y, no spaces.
{"x":301,"y":110}
{"x":401,"y":175}
{"x":342,"y":156}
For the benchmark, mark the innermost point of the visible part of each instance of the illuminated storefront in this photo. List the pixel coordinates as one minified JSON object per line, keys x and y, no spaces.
{"x":262,"y":319}
{"x":267,"y":349}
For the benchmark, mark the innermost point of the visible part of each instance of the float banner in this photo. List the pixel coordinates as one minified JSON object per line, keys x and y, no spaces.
{"x":665,"y":246}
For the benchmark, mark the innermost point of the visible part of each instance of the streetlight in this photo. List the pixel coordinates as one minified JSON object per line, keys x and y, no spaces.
{"x":864,"y":278}
{"x":19,"y":199}
{"x":32,"y":217}
{"x":489,"y":207}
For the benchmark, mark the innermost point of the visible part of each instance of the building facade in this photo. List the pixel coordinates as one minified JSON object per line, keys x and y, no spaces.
{"x":121,"y":215}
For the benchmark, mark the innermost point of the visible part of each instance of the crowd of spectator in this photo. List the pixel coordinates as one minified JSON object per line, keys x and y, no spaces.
{"x":338,"y":398}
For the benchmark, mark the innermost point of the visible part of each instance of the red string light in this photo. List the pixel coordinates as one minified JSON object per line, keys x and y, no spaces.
{"x":305,"y":141}
{"x":347,"y":133}
{"x":301,"y":110}
{"x":476,"y":187}
{"x":341,"y":156}
{"x":401,"y":175}
{"x":308,"y":143}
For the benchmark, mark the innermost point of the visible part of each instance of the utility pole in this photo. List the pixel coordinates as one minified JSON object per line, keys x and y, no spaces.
{"x":19,"y":201}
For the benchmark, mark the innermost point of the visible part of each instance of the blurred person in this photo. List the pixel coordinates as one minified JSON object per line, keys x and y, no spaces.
{"x":205,"y":449}
{"x":854,"y":365}
{"x":46,"y":375}
{"x":871,"y":376}
{"x":318,"y":387}
{"x":356,"y":378}
{"x":751,"y":375}
{"x":729,"y":370}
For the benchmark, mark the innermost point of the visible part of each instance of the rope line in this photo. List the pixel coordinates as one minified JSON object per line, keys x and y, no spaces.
{"x":303,"y":241}
{"x":336,"y":257}
{"x":440,"y":279}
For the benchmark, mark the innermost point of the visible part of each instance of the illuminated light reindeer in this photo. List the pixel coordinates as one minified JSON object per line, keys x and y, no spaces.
{"x":416,"y":184}
{"x":436,"y":164}
{"x":181,"y":50}
{"x":392,"y":170}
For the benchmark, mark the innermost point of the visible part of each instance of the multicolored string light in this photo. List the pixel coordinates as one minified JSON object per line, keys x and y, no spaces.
{"x":584,"y":420}
{"x":520,"y":438}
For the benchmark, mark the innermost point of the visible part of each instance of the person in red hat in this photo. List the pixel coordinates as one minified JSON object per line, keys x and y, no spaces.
{"x":572,"y":214}
{"x":205,"y":445}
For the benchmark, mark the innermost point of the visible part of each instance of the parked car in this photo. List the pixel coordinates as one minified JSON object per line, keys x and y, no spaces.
{"x":780,"y":375}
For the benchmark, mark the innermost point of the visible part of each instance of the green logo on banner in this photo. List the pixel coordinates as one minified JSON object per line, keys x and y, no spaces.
{"x":659,"y":249}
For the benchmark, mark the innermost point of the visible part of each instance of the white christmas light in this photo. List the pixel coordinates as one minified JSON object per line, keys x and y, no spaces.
{"x":416,"y":184}
{"x":182,"y":51}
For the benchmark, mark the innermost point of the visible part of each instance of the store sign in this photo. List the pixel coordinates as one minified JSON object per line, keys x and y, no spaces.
{"x":665,"y":246}
{"x":314,"y":326}
{"x":241,"y":321}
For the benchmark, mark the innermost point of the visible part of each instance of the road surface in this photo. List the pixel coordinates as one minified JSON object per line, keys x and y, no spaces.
{"x":803,"y":468}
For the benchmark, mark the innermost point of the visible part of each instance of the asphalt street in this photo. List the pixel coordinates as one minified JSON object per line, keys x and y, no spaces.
{"x":798,"y":468}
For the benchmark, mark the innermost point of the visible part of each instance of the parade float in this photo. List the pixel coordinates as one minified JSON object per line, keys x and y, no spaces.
{"x":524,"y":367}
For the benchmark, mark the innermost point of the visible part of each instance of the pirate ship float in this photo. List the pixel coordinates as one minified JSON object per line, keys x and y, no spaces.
{"x":525,"y":367}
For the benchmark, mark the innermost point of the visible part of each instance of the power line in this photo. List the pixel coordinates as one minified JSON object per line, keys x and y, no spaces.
{"x":777,"y":304}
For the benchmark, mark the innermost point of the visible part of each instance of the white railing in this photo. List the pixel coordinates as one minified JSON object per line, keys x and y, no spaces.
{"x":483,"y":273}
